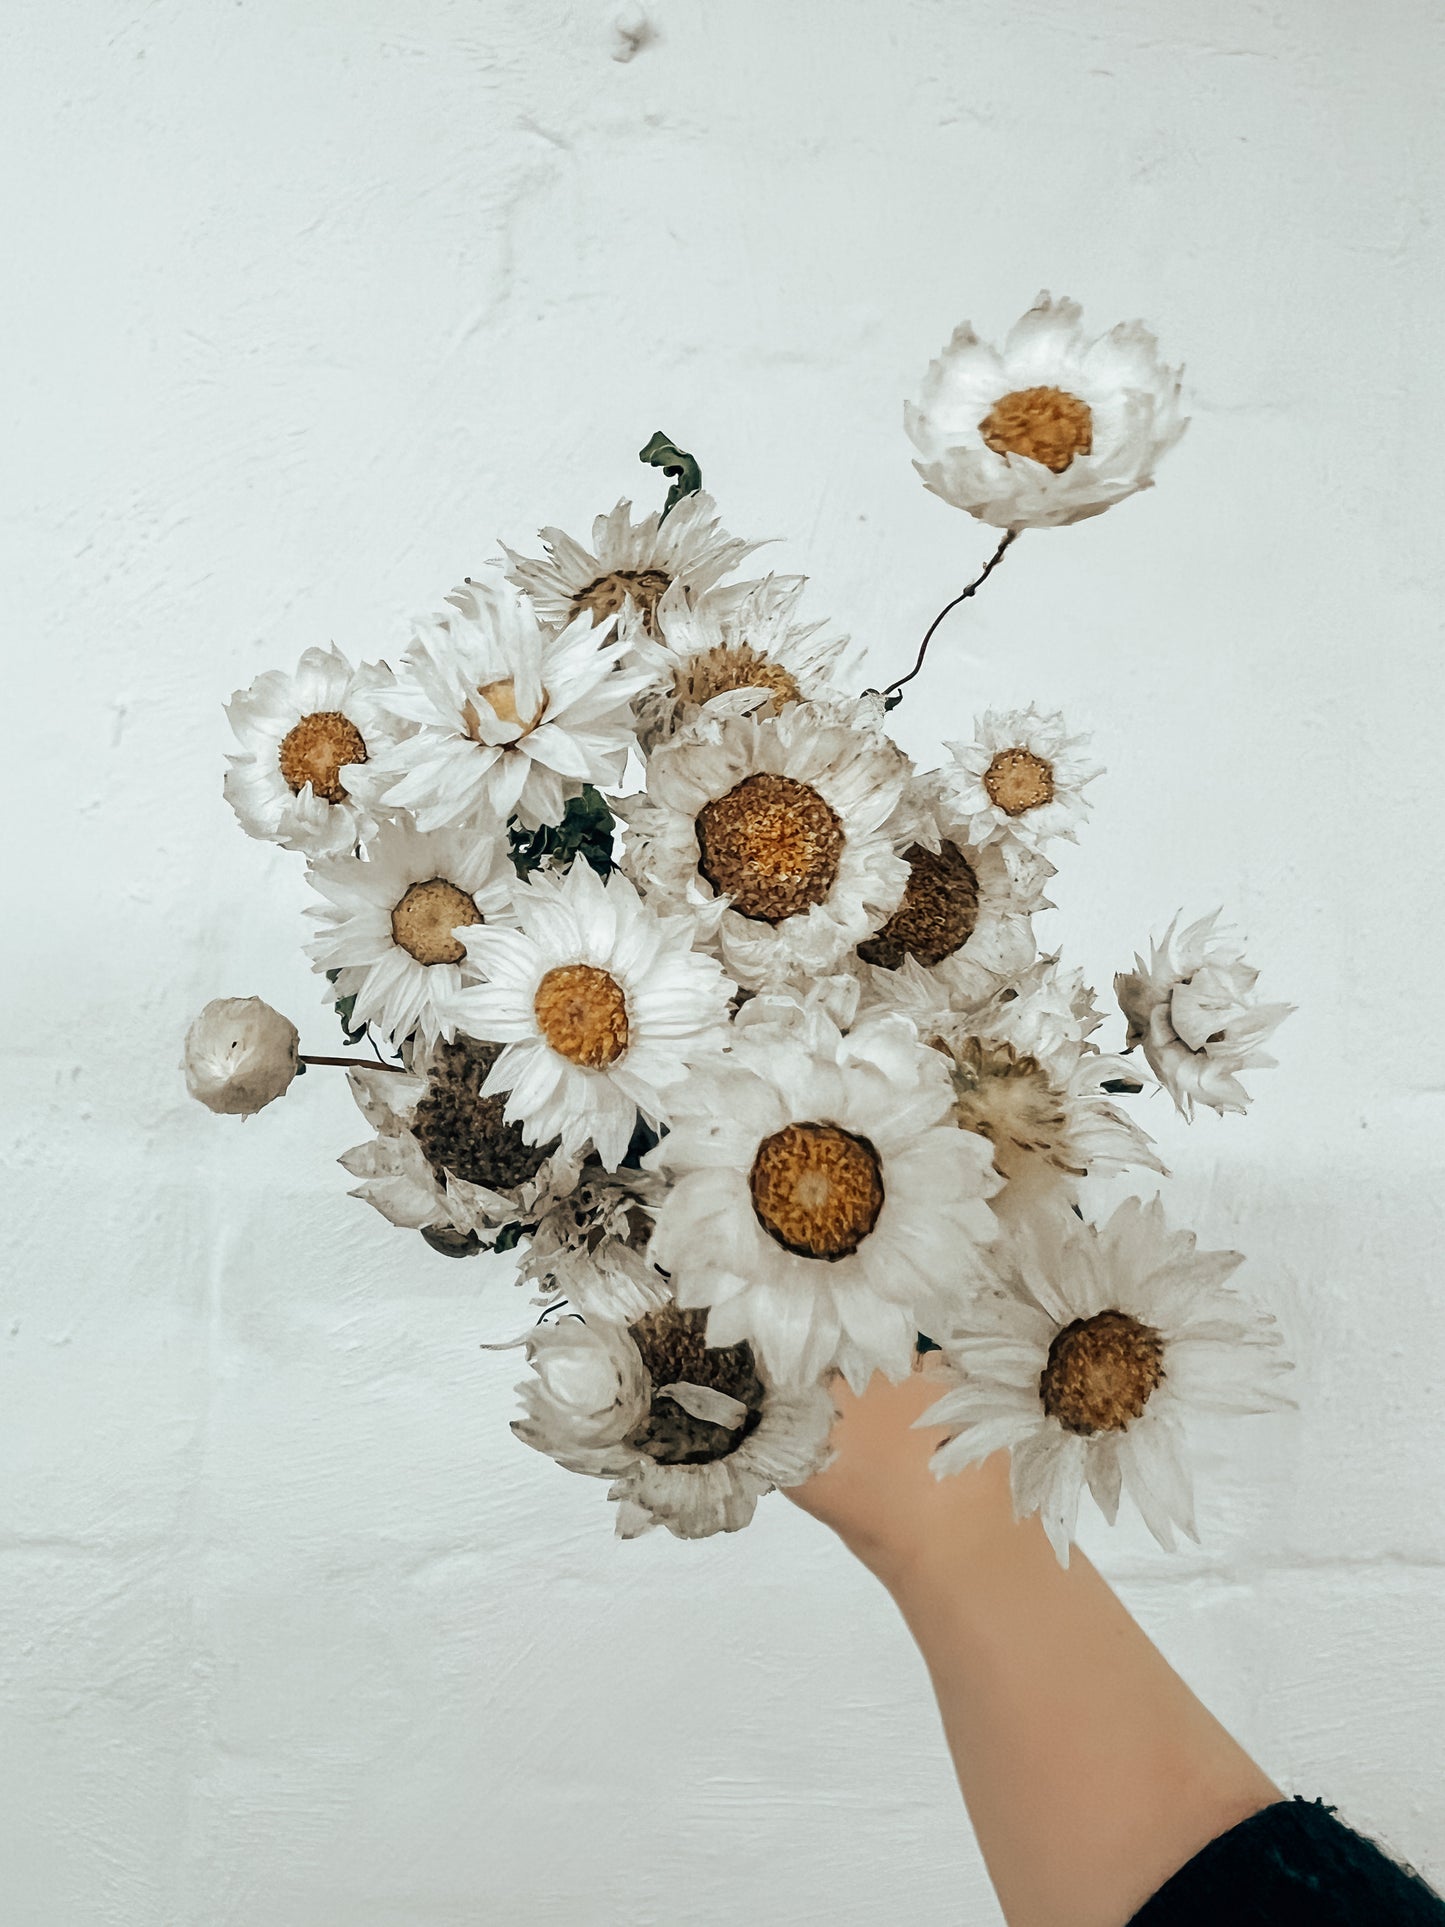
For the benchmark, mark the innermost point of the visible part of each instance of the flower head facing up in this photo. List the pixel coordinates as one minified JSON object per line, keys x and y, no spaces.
{"x":600,"y":1004}
{"x":305,"y":739}
{"x":1051,"y":430}
{"x":1102,"y":1342}
{"x":776,"y":833}
{"x":631,"y":565}
{"x":1021,"y":780}
{"x":391,"y":923}
{"x":507,"y":716}
{"x":240,"y":1056}
{"x":1193,"y":1010}
{"x":822,"y":1205}
{"x":692,"y":1435}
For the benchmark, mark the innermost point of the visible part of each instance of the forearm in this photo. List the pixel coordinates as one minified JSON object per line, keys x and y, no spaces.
{"x":1090,"y":1770}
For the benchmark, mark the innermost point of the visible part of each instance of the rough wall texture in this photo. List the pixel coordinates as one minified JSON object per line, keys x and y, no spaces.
{"x":310,"y":299}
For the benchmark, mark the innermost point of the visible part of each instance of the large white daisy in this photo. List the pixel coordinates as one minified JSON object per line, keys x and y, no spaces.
{"x":389,"y":924}
{"x":629,"y":562}
{"x":1022,"y":779}
{"x":739,"y":650}
{"x":691,"y":1436}
{"x":1103,"y":1341}
{"x":1193,"y":1009}
{"x":509,"y":718}
{"x":776,"y":832}
{"x":601,"y":1004}
{"x":1052,"y":430}
{"x":822,"y":1205}
{"x":443,"y":1159}
{"x":304,"y":738}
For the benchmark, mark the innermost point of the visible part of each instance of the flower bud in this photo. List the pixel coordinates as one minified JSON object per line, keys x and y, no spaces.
{"x":239,"y":1055}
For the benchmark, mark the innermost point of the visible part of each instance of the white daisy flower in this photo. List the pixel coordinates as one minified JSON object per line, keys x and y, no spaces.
{"x":692,"y":1436}
{"x":629,"y":562}
{"x":389,"y":924}
{"x":509,"y":717}
{"x":822,"y":1205}
{"x":966,"y":912}
{"x":1052,"y":430}
{"x":1105,"y":1339}
{"x":303,"y":740}
{"x":444,"y":1160}
{"x":739,"y":650}
{"x":1193,"y":1009}
{"x":589,"y":1249}
{"x":1022,"y":779}
{"x":775,"y":833}
{"x":601,"y":1004}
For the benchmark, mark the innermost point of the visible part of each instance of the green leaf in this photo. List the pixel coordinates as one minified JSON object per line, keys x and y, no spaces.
{"x":676,"y":462}
{"x":585,"y":830}
{"x":510,"y":1236}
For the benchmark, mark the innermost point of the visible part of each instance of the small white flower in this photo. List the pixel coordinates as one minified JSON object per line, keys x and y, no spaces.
{"x":240,"y":1055}
{"x":629,"y":563}
{"x":601,"y":1004}
{"x":692,"y":1436}
{"x":304,"y":740}
{"x":1193,"y":1009}
{"x":738,"y":650}
{"x":443,"y":1158}
{"x":390,"y":921}
{"x":1052,"y":430}
{"x":508,"y":717}
{"x":822,"y":1205}
{"x":588,"y":1250}
{"x":775,"y":833}
{"x":1022,"y":779}
{"x":1103,"y":1341}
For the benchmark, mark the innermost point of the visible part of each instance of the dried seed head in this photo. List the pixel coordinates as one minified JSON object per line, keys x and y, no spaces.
{"x":817,"y":1189}
{"x":674,"y":1350}
{"x":423,"y":922}
{"x":316,"y":751}
{"x":715,"y":672}
{"x":1101,"y":1373}
{"x":1006,"y":1096}
{"x":1048,"y":425}
{"x":772,"y":845}
{"x":938,"y":912}
{"x":583,"y":1015}
{"x":1018,"y":781}
{"x":465,"y":1134}
{"x":609,"y":593}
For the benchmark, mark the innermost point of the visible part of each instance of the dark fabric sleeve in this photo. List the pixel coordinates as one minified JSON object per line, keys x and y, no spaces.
{"x":1292,"y":1865}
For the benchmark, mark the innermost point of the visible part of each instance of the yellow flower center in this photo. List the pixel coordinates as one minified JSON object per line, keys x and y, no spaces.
{"x":501,"y":698}
{"x":317,"y":750}
{"x":817,"y":1189}
{"x":937,"y":914}
{"x":607,"y":595}
{"x":1048,"y":425}
{"x":1005,"y":1096}
{"x":423,"y":922}
{"x":1101,"y":1373}
{"x":772,"y":845}
{"x":1018,"y":781}
{"x":713,"y":672}
{"x":583,"y":1015}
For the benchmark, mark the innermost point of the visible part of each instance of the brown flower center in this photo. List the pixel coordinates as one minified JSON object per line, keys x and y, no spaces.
{"x":937,"y":914}
{"x":713,"y":672}
{"x":423,"y":922}
{"x":583,"y":1015}
{"x":772,"y":845}
{"x":817,"y":1189}
{"x":466,"y":1134}
{"x":607,"y":595}
{"x":1004,"y":1095}
{"x":673,"y":1350}
{"x":1049,"y":425}
{"x":1018,"y":781}
{"x":317,"y":750}
{"x":501,"y":698}
{"x":1101,"y":1373}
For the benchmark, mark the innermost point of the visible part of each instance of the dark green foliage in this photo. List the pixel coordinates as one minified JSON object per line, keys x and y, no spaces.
{"x":585,"y":830}
{"x":675,"y":462}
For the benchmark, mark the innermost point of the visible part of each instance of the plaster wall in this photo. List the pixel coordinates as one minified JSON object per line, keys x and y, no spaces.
{"x":307,"y":302}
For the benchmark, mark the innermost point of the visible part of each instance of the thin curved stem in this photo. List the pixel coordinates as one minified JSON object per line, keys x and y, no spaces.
{"x":894,"y":689}
{"x":349,"y":1063}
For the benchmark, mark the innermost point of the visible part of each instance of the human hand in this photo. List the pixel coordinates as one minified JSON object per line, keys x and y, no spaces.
{"x":880,"y":1495}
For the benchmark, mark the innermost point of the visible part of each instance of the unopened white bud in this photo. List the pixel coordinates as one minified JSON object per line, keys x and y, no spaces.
{"x":240,"y":1054}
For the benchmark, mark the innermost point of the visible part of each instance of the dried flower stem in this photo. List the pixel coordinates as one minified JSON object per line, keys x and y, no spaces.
{"x":892,"y":695}
{"x":350,"y":1063}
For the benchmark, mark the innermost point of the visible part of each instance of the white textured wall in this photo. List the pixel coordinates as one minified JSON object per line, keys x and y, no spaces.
{"x":306,"y":301}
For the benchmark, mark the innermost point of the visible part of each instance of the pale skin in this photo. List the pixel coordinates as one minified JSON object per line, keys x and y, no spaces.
{"x":1090,"y":1771}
